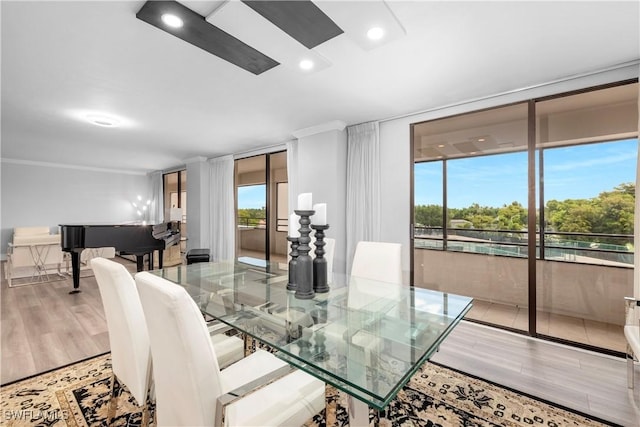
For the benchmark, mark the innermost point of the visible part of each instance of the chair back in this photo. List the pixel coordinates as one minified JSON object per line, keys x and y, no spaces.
{"x":185,"y":369}
{"x":130,"y":352}
{"x":380,"y":261}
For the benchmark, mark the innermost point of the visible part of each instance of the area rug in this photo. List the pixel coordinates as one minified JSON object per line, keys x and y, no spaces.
{"x":78,"y":395}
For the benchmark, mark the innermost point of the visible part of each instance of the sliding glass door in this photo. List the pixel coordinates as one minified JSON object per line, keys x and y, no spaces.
{"x":587,"y":145}
{"x":175,"y":209}
{"x":261,"y":206}
{"x":470,"y":211}
{"x":529,"y":209}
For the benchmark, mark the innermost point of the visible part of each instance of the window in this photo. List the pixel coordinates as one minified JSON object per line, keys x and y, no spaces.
{"x":478,"y":179}
{"x":589,"y":202}
{"x":252,"y":206}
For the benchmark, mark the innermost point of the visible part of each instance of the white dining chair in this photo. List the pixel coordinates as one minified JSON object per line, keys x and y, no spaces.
{"x":632,"y":335}
{"x":191,"y":390}
{"x":376,"y":273}
{"x":128,"y":336}
{"x":381,"y":261}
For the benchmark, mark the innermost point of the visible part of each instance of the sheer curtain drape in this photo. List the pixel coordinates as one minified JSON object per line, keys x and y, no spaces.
{"x":156,"y":210}
{"x":222,"y":209}
{"x":363,"y":186}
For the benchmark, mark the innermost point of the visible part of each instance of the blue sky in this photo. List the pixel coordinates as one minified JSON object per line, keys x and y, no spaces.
{"x":251,"y":196}
{"x":577,"y":172}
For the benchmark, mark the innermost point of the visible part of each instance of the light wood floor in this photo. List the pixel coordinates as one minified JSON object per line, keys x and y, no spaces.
{"x":597,"y":334}
{"x":43,"y":327}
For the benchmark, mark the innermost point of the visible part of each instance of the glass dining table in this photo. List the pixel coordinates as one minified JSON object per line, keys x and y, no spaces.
{"x":364,"y":337}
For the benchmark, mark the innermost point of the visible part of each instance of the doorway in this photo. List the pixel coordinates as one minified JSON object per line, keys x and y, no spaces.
{"x":261,"y":189}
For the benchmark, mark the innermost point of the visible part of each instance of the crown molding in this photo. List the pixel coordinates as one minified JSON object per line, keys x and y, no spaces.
{"x":76,"y":167}
{"x":196,"y":159}
{"x":321,"y":128}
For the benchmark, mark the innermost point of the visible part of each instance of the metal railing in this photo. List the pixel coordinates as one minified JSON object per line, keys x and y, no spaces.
{"x":261,"y":222}
{"x":562,"y":246}
{"x":247,"y":222}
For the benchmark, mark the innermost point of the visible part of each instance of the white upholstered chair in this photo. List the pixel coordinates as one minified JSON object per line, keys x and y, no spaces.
{"x":632,"y":334}
{"x":190,"y":388}
{"x":380,"y":261}
{"x":374,"y":284}
{"x":128,"y":335}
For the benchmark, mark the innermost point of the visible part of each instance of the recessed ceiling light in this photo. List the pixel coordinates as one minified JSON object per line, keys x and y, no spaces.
{"x":441,"y":146}
{"x":480,"y":139}
{"x":306,"y":64}
{"x":375,"y":33}
{"x":172,"y":20}
{"x":101,"y":120}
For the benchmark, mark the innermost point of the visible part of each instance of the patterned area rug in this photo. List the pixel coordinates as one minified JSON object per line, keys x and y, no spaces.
{"x":78,"y":395}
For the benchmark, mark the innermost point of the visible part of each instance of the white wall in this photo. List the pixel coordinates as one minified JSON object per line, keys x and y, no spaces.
{"x":395,"y":147}
{"x":198,"y":209}
{"x":49,"y":195}
{"x":322,"y":171}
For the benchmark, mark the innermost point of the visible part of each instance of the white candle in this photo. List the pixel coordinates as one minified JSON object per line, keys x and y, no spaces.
{"x":294,"y":224}
{"x":304,"y":202}
{"x":320,"y":217}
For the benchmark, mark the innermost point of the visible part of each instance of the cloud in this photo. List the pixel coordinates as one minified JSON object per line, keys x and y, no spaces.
{"x":592,"y":162}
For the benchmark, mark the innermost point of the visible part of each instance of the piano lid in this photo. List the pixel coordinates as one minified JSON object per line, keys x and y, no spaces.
{"x":113,"y":224}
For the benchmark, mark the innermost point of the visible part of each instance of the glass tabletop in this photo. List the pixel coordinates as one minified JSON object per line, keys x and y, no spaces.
{"x":364,"y":337}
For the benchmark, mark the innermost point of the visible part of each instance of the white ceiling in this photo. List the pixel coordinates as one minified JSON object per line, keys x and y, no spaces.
{"x":61,"y":60}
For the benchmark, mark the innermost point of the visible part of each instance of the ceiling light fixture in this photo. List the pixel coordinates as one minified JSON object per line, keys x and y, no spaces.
{"x":306,"y":64}
{"x":100,"y":120}
{"x":375,"y":33}
{"x":172,"y":20}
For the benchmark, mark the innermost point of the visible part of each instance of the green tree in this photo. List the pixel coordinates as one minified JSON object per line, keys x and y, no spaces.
{"x":611,"y":212}
{"x":614,"y":211}
{"x":512,"y":217}
{"x":251,"y":216}
{"x":428,"y":215}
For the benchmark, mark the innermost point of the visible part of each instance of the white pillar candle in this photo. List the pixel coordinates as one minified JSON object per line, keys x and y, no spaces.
{"x":320,"y":217}
{"x":304,"y":202}
{"x":294,"y":224}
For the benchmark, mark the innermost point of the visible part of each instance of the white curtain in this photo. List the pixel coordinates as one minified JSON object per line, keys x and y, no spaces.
{"x":363,"y":186}
{"x":222,"y":209}
{"x":156,"y":210}
{"x":292,"y":174}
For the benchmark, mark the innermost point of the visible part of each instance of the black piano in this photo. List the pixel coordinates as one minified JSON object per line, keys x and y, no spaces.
{"x":127,"y":239}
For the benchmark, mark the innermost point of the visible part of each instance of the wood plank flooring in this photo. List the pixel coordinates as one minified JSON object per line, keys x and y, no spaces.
{"x":43,"y":327}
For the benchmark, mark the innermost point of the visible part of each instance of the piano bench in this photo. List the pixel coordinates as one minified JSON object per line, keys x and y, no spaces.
{"x":198,"y":255}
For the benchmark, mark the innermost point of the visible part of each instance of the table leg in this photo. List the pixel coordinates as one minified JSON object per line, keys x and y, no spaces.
{"x":358,"y":412}
{"x":39,"y":255}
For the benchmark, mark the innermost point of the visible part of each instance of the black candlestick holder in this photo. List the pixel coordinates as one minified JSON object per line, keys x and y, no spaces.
{"x":320,"y":282}
{"x":304,"y":263}
{"x":293,"y":262}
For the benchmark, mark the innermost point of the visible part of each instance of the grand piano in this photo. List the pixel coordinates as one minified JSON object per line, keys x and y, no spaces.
{"x":127,"y":239}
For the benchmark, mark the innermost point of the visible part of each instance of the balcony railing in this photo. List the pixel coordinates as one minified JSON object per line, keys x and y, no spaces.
{"x":246,"y":222}
{"x":562,"y":246}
